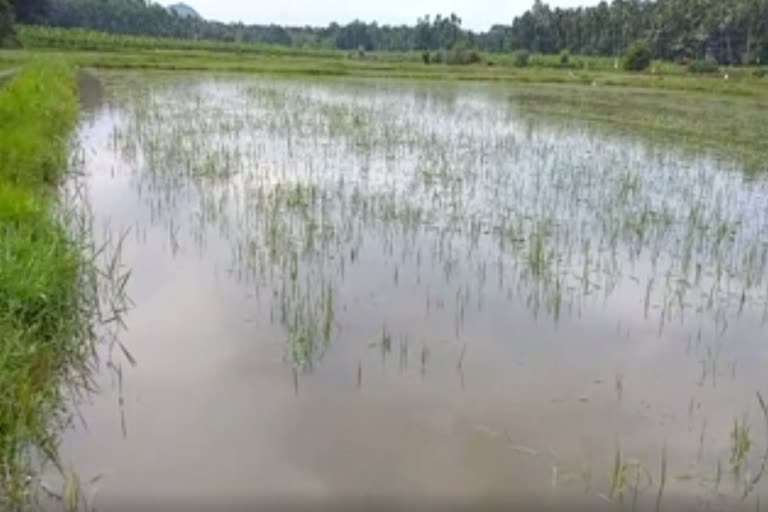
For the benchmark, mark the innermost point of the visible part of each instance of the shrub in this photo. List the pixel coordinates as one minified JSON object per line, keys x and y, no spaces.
{"x":565,"y":58}
{"x":521,"y":58}
{"x":469,"y":56}
{"x":703,"y":66}
{"x":425,"y":57}
{"x":462,"y":54}
{"x":759,"y":73}
{"x":457,"y":57}
{"x":637,"y":57}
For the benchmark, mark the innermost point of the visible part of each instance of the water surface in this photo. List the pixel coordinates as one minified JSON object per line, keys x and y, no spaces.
{"x":419,"y":293}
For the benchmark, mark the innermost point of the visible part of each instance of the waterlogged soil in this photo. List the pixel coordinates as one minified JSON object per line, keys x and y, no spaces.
{"x":416,"y":293}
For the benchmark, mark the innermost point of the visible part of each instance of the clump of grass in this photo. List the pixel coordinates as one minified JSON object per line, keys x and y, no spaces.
{"x":43,"y":319}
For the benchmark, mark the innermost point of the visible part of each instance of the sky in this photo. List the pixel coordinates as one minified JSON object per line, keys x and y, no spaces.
{"x":475,"y":14}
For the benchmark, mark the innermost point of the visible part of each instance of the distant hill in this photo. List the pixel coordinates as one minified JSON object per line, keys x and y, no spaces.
{"x":184,"y":11}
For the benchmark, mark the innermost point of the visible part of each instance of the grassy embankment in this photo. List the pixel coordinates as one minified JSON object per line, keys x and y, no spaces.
{"x":95,"y":49}
{"x":732,"y":127}
{"x":42,"y":318}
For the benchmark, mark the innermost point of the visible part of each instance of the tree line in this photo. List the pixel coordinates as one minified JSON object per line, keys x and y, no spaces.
{"x":723,"y":31}
{"x":726,"y":31}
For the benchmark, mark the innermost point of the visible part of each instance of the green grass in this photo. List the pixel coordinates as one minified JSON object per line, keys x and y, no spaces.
{"x":41,"y":316}
{"x":32,"y":36}
{"x":178,"y":60}
{"x":36,"y":113}
{"x":97,"y":49}
{"x":729,"y":125}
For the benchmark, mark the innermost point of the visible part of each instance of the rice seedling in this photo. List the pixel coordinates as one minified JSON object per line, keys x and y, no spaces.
{"x":628,"y":475}
{"x":72,"y":497}
{"x":619,"y":386}
{"x":359,"y":375}
{"x":718,"y":476}
{"x":662,"y":478}
{"x":754,"y":481}
{"x":702,"y":436}
{"x":741,"y":443}
{"x":403,"y":354}
{"x":386,"y":341}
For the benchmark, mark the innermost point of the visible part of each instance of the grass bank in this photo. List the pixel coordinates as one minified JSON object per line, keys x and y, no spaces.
{"x":733,"y":127}
{"x":199,"y":60}
{"x":101,"y":50}
{"x":42,"y":321}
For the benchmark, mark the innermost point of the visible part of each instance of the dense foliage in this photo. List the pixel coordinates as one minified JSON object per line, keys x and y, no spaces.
{"x":729,"y":31}
{"x":31,"y":11}
{"x":725,"y":31}
{"x":6,"y":22}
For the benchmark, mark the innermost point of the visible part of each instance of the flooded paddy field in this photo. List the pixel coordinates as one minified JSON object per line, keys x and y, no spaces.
{"x":417,"y":293}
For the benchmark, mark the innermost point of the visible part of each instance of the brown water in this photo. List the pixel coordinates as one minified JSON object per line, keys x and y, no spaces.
{"x":416,"y":294}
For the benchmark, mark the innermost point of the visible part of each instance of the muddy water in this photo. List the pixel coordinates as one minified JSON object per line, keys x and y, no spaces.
{"x":415,"y":293}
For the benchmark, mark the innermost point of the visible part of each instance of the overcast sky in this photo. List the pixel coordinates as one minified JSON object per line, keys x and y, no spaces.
{"x":476,"y":14}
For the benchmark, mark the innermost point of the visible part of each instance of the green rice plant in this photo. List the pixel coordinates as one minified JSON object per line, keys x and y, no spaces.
{"x":618,"y":476}
{"x":662,"y":478}
{"x":628,"y":475}
{"x":741,"y":443}
{"x":764,"y":463}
